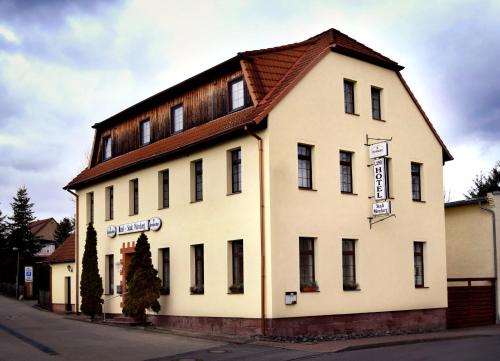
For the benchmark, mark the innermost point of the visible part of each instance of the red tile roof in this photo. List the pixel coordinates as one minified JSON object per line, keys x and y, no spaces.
{"x":269,"y":74}
{"x":37,"y":226}
{"x":65,"y":252}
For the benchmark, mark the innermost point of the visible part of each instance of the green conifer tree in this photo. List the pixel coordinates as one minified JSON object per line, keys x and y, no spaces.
{"x":91,"y":282}
{"x":63,"y":230}
{"x":20,"y":235}
{"x":143,"y":283}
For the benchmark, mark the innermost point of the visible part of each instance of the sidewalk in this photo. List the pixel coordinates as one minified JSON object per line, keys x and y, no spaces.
{"x":373,"y":342}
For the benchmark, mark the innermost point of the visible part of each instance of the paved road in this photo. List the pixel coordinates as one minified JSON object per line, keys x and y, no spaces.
{"x":27,"y":334}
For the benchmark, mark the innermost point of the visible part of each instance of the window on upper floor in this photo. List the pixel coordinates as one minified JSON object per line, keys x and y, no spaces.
{"x":90,"y":207}
{"x":345,"y":172}
{"x":235,"y":170}
{"x":349,"y":264}
{"x":306,"y":265}
{"x":164,"y":191}
{"x":107,"y":153}
{"x":349,"y":96}
{"x":177,"y":118}
{"x":134,"y":196}
{"x":236,"y":94}
{"x":418,"y":260}
{"x":145,"y":132}
{"x":197,"y":181}
{"x":304,"y":154}
{"x":109,"y":193}
{"x":416,"y":191}
{"x":376,"y":109}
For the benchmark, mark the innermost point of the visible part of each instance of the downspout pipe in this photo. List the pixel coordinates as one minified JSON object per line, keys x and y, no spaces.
{"x":262,"y":234}
{"x":77,"y":248}
{"x":495,"y":265}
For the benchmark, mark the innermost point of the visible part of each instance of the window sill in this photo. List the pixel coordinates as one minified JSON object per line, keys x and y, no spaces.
{"x":357,"y":115}
{"x":421,"y":287}
{"x":349,"y":193}
{"x":309,"y":289}
{"x":308,"y":189}
{"x":108,"y":220}
{"x":418,"y":201}
{"x":236,"y":293}
{"x":198,"y":201}
{"x":352,"y":289}
{"x":236,"y":109}
{"x":233,"y":193}
{"x":197,"y":294}
{"x":379,"y":120}
{"x":162,"y":208}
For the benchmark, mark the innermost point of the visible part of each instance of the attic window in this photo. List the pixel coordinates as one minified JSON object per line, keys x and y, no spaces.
{"x":236,"y":94}
{"x":177,"y":118}
{"x":145,"y":130}
{"x":107,"y":148}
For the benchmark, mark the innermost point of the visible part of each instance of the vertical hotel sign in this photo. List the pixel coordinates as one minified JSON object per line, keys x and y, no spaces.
{"x":380,"y":178}
{"x":379,"y":152}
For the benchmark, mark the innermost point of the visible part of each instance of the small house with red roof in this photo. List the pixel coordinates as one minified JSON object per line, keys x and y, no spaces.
{"x":62,"y":276}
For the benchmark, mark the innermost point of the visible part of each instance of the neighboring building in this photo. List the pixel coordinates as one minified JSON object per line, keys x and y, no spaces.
{"x":44,"y":230}
{"x":253,"y":183}
{"x":62,"y":276}
{"x":472,"y":242}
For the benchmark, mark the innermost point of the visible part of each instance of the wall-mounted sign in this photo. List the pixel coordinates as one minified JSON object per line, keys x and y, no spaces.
{"x":290,"y":298}
{"x":111,"y":231}
{"x":380,"y":178}
{"x":28,"y":274}
{"x":153,"y":224}
{"x":379,"y":150}
{"x":381,"y":208}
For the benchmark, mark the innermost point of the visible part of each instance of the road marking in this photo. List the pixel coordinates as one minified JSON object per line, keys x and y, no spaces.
{"x":29,"y":341}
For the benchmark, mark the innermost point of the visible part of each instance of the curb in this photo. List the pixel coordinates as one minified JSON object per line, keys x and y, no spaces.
{"x":406,"y":342}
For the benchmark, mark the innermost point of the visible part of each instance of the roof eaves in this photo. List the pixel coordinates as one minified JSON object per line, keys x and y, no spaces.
{"x":466,"y":202}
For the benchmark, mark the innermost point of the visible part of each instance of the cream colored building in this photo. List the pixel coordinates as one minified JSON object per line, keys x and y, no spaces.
{"x":62,"y":277}
{"x":472,"y":242}
{"x":269,"y":170}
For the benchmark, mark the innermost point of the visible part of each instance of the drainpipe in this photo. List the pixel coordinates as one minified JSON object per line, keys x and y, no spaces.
{"x":495,"y":266}
{"x":262,"y":235}
{"x":77,"y":258}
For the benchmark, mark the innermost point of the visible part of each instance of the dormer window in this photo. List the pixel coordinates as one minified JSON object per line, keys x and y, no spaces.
{"x":145,"y":132}
{"x":177,"y":118}
{"x":107,"y":148}
{"x":236,"y":94}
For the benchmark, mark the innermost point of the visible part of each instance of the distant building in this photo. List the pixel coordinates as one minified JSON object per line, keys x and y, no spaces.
{"x":44,"y":230}
{"x":270,"y":198}
{"x":472,"y":243}
{"x":62,"y":276}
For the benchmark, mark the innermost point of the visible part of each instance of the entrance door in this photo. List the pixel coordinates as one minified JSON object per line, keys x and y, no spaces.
{"x":68,"y":293}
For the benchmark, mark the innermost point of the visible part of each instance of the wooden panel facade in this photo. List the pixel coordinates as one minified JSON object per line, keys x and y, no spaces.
{"x":202,"y":104}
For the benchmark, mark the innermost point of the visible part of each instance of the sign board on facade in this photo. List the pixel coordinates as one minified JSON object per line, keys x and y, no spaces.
{"x":290,"y":298}
{"x":381,"y":208}
{"x":379,"y":150}
{"x":28,"y":274}
{"x":153,"y":224}
{"x":380,"y":178}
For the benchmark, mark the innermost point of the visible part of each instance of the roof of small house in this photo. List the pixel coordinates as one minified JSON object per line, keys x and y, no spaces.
{"x":65,"y":252}
{"x":269,"y":74}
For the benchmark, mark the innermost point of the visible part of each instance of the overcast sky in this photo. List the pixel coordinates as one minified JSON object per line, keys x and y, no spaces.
{"x":65,"y":65}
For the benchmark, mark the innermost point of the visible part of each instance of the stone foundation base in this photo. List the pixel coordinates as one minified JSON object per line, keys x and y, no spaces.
{"x":61,"y":308}
{"x":412,"y":320}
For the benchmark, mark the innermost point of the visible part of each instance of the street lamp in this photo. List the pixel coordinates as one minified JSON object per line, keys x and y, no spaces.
{"x":17,"y":272}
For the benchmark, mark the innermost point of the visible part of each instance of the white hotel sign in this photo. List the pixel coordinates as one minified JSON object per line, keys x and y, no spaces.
{"x":380,"y":179}
{"x":378,"y":150}
{"x":152,"y":224}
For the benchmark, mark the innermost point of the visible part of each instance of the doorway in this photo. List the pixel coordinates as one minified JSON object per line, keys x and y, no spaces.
{"x":67,"y":281}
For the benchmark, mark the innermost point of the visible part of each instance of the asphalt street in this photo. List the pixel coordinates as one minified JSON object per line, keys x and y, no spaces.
{"x":29,"y":334}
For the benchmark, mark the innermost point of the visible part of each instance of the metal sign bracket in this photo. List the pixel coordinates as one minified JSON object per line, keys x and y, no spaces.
{"x":372,"y":221}
{"x":377,"y":140}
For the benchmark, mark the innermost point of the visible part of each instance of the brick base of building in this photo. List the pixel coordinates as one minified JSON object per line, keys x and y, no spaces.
{"x":412,"y":320}
{"x":61,"y":308}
